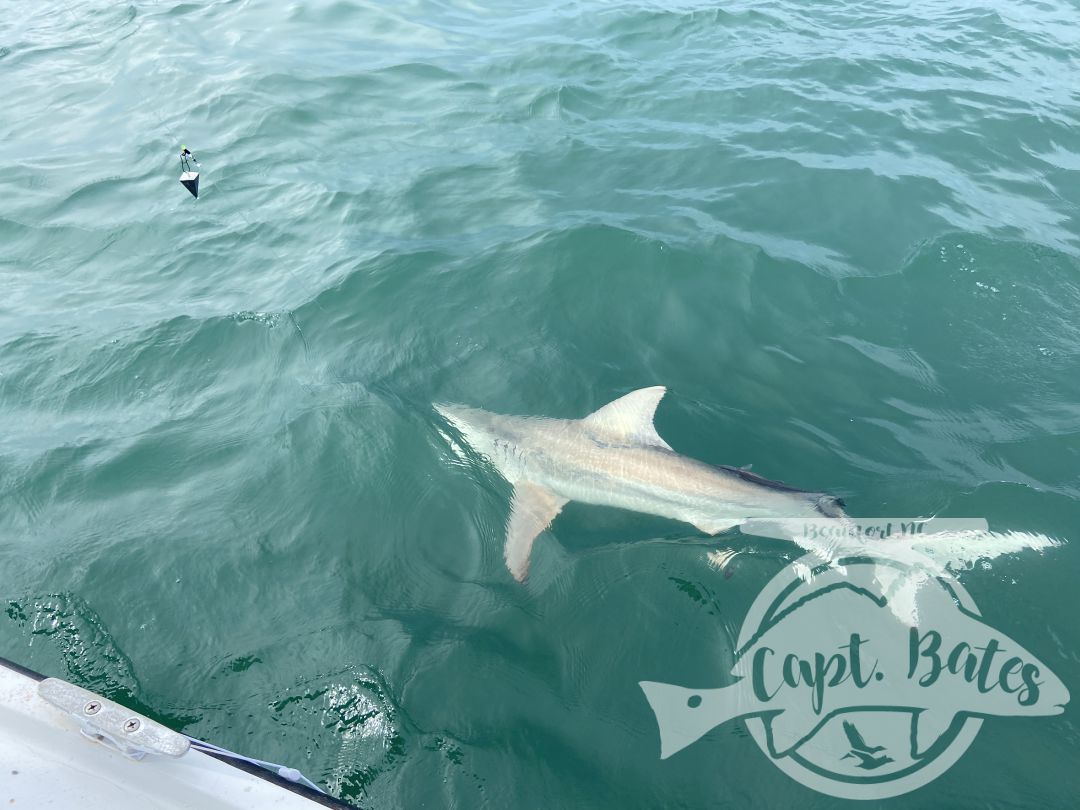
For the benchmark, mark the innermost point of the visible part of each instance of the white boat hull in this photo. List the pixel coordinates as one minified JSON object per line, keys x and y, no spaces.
{"x":46,"y":762}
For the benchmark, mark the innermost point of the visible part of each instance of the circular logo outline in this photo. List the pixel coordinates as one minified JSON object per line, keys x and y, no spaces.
{"x":960,"y":734}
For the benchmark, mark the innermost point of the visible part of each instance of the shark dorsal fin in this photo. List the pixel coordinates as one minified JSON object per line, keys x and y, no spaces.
{"x":629,"y":419}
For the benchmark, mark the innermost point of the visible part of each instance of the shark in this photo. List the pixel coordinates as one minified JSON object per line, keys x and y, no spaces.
{"x":615,"y":457}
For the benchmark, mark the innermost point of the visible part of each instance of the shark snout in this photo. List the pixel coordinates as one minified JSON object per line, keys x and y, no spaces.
{"x":454,"y":414}
{"x":451,"y":416}
{"x":469,"y":424}
{"x":444,"y":410}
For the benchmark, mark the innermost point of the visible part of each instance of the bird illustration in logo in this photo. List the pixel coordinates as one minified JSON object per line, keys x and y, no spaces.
{"x":865,"y":753}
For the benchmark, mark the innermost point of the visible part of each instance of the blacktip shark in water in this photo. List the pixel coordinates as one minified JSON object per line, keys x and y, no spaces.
{"x":615,"y":457}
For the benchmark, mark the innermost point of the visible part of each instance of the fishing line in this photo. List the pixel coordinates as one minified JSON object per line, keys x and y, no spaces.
{"x":78,"y":25}
{"x":285,"y":772}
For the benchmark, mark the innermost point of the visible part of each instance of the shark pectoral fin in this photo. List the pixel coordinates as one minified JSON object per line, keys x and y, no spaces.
{"x":533,"y":508}
{"x":629,"y":419}
{"x":927,"y":726}
{"x":710,"y":526}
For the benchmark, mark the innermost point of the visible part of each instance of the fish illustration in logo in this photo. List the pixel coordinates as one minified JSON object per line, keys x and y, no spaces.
{"x":812,"y":652}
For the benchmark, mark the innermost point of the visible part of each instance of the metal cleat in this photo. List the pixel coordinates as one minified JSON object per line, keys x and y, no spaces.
{"x":111,"y":724}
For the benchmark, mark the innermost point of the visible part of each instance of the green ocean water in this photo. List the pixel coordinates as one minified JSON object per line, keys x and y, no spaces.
{"x":843,"y":234}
